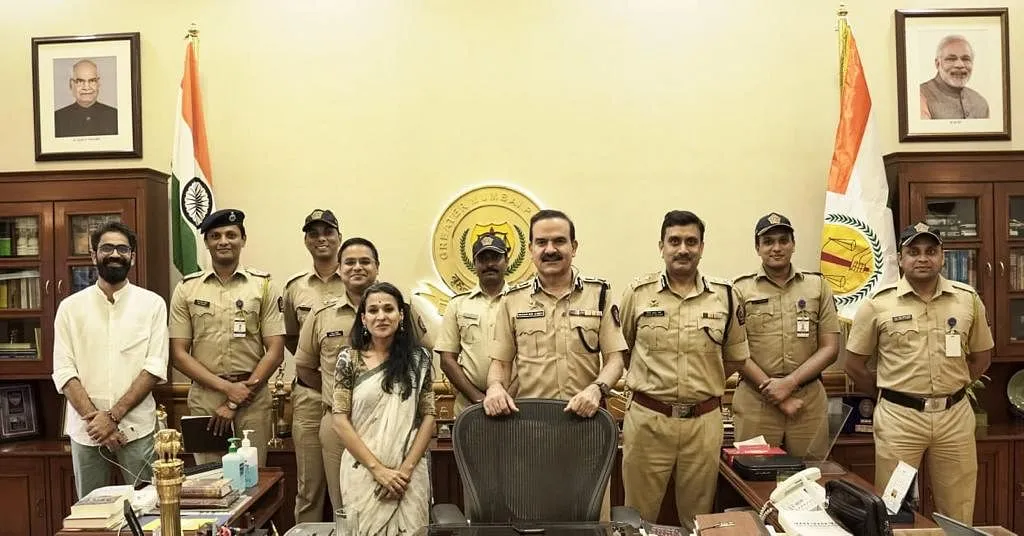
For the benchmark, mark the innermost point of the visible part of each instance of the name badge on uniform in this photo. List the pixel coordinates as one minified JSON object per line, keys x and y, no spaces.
{"x":471,"y":316}
{"x":803,"y":320}
{"x":238,"y":324}
{"x":201,"y":303}
{"x":531,"y":314}
{"x":334,"y":333}
{"x":653,"y":312}
{"x":713,"y":315}
{"x":585,"y":312}
{"x":952,"y":339}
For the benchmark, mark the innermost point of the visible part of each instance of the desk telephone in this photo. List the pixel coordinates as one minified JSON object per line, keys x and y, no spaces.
{"x":799,"y":492}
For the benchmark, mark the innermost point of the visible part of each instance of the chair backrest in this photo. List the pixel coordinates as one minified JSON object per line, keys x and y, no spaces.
{"x":540,"y":464}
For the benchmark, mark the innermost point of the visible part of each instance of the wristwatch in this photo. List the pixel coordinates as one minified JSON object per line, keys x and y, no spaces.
{"x":232,"y":406}
{"x":605,"y":390}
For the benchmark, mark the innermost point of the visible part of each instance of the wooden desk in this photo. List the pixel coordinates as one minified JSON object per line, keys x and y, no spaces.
{"x":265,"y":499}
{"x":756,"y":493}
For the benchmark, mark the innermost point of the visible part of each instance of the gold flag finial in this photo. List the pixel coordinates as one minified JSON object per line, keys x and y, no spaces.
{"x":193,"y":30}
{"x":841,"y":12}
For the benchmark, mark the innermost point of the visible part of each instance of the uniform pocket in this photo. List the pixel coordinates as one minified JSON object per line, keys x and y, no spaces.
{"x":586,"y":334}
{"x":202,"y":318}
{"x":763,"y":316}
{"x":469,"y":330}
{"x":529,"y":336}
{"x":652,"y":332}
{"x":714,"y":333}
{"x":903,"y":333}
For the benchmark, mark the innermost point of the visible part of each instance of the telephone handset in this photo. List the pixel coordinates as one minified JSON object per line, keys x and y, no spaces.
{"x":800,"y":492}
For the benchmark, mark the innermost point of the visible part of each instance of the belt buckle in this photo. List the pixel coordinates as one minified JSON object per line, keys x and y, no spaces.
{"x":932,"y":405}
{"x":683,"y":411}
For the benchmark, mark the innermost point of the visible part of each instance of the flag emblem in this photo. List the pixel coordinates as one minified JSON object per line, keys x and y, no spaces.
{"x":196,"y":201}
{"x":851,"y":258}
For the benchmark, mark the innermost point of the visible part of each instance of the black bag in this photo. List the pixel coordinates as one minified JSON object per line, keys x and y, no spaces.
{"x":765,"y":466}
{"x":858,"y":510}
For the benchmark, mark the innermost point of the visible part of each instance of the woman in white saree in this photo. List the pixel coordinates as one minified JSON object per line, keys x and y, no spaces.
{"x":384,"y":414}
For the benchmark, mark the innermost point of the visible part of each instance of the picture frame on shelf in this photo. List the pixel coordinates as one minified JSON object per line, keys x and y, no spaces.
{"x":19,"y":417}
{"x":953,"y":74}
{"x":87,"y":97}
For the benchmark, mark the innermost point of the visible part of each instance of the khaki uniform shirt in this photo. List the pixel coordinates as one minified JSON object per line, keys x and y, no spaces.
{"x":772,"y":313}
{"x":203,"y":310}
{"x":909,"y":336}
{"x":322,"y":338}
{"x":468,"y":331}
{"x":677,"y":341}
{"x":305,"y":292}
{"x":327,"y":332}
{"x":556,"y":343}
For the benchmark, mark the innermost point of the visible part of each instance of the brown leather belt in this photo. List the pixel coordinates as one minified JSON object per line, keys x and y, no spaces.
{"x":683,"y":411}
{"x":235,"y":378}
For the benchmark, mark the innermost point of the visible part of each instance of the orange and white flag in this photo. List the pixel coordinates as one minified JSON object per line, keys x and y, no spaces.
{"x":858,"y":243}
{"x":191,"y":181}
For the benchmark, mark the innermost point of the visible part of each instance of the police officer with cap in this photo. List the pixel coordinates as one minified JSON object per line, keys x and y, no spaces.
{"x":793,"y":335}
{"x":468,"y":326}
{"x":227,"y":335}
{"x":304,"y":293}
{"x":931,"y":338}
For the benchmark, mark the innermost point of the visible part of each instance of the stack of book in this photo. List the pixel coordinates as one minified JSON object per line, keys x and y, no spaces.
{"x":209,"y":493}
{"x":102,"y":508}
{"x":19,"y":290}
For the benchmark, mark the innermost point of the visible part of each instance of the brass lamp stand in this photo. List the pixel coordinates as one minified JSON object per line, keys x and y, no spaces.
{"x":167,"y":477}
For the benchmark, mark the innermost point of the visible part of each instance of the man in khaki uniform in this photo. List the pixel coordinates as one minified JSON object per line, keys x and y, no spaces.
{"x":304,"y":292}
{"x":686,"y":334}
{"x":793,"y":334}
{"x":227,"y":335}
{"x":325,"y":333}
{"x":556,"y":327}
{"x":932,"y":339}
{"x":468,"y":327}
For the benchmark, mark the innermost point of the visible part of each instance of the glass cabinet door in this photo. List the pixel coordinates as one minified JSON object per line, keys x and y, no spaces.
{"x":75,"y":223}
{"x":1009,"y":317}
{"x":26,"y":303}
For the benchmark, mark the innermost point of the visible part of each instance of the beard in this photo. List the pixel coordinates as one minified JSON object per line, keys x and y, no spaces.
{"x":956,"y":78}
{"x":113,"y":271}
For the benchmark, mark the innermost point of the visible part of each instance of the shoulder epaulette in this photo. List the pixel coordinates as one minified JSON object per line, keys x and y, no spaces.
{"x":887,"y":288}
{"x":808,"y":272}
{"x":596,"y":280}
{"x":744,"y":276}
{"x":295,"y":277}
{"x":519,"y":286}
{"x":193,"y":275}
{"x":718,"y":281}
{"x":645,"y":279}
{"x":460,"y":294}
{"x":257,"y":273}
{"x":964,"y":286}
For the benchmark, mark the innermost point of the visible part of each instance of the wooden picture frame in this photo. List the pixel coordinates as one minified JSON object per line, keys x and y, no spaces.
{"x":953,"y":74}
{"x":87,"y":97}
{"x":19,"y":417}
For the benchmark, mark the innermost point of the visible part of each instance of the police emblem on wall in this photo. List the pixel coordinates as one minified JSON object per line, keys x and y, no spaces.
{"x":852,"y":260}
{"x":487,"y":209}
{"x":196,"y":201}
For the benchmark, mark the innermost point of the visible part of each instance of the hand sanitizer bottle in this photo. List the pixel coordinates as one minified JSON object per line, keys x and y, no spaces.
{"x":248,"y":452}
{"x":234,"y":465}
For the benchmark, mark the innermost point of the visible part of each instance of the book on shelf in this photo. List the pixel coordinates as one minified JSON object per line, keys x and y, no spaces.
{"x":101,"y":502}
{"x":209,"y":503}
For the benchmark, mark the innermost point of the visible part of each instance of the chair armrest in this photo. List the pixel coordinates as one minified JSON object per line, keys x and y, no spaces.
{"x":627,"y":515}
{"x":447,"y":514}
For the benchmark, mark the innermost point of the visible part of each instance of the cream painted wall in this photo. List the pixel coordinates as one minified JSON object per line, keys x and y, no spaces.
{"x":384,"y":110}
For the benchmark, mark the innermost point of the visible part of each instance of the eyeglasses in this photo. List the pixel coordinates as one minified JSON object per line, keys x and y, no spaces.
{"x":85,"y":81}
{"x":121,"y":249}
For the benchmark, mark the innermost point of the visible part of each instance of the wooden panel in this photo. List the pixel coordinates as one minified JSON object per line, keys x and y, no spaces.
{"x":61,"y":480}
{"x":858,"y":459}
{"x":23,"y":494}
{"x":285,"y":460}
{"x":992,"y":501}
{"x":1017,"y":487}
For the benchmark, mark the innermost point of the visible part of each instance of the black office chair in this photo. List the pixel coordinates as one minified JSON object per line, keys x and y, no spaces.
{"x":540,"y":464}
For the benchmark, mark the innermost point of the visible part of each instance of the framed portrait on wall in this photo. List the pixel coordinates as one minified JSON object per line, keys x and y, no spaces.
{"x":953,"y":74}
{"x":87,"y":99}
{"x":18,"y":416}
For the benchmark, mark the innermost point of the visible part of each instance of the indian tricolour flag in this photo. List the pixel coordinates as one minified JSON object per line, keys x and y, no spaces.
{"x":858,"y":243}
{"x":191,"y":181}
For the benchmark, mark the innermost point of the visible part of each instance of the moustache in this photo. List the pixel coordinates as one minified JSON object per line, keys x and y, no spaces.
{"x":681,"y":258}
{"x":552,"y":257}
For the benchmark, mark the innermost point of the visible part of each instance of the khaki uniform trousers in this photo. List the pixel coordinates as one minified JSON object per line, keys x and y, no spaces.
{"x":256,"y":417}
{"x":307,"y":411}
{"x":803,"y":435}
{"x":332,"y":451}
{"x":656,"y":446}
{"x":948,"y":438}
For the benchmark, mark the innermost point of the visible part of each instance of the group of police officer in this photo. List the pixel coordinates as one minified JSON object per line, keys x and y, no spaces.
{"x":561,"y":335}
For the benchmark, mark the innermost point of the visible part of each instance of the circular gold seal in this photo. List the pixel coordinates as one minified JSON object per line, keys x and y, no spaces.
{"x":497,"y":209}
